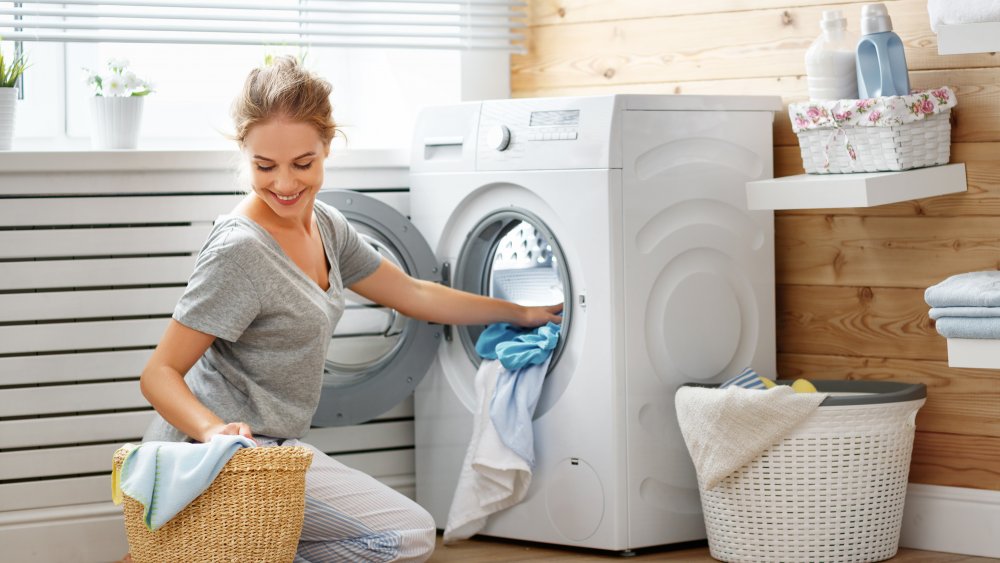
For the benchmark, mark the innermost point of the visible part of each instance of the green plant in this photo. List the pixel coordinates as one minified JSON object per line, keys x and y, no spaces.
{"x":10,"y":72}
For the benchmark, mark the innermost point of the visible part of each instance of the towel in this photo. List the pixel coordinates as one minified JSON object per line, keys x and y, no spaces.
{"x":939,"y":312}
{"x":517,"y":347}
{"x":493,"y":476}
{"x":166,"y":476}
{"x":972,"y":289}
{"x":969,"y":327}
{"x":747,"y":379}
{"x":512,"y":408}
{"x":950,"y":12}
{"x":725,"y":429}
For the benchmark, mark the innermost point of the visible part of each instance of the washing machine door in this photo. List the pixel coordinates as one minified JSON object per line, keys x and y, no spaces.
{"x":377,"y":356}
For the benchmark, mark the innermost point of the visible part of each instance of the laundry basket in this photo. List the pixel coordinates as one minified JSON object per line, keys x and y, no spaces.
{"x":879,"y":134}
{"x":253,"y":511}
{"x":831,"y":491}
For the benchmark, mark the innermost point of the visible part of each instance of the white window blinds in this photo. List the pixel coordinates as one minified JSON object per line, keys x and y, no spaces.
{"x":465,"y":25}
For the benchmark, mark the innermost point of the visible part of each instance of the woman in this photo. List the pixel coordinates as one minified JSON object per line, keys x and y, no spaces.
{"x":245,"y":350}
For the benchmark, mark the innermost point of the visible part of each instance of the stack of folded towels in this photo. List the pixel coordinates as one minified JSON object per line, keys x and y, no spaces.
{"x":967,"y":305}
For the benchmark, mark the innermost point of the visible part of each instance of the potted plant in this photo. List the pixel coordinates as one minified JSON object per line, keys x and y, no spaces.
{"x":10,"y":72}
{"x":116,"y":108}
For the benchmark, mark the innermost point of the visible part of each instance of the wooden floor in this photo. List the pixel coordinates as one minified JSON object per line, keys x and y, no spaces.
{"x":502,"y":551}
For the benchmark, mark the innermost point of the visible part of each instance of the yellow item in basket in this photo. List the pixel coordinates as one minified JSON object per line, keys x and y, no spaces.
{"x":767,"y":382}
{"x":803,"y":386}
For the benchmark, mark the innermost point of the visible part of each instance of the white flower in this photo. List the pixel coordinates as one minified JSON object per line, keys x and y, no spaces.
{"x":117,"y":63}
{"x":132,"y":82}
{"x":92,"y":78}
{"x":114,"y":85}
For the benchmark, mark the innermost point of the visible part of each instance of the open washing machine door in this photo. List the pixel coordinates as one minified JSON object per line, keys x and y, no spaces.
{"x":377,"y":356}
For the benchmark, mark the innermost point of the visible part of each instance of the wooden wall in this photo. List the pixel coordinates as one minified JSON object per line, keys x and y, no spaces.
{"x":850,"y":281}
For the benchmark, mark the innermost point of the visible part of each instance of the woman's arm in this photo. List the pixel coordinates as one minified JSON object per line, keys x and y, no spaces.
{"x":162,"y":383}
{"x":429,"y":301}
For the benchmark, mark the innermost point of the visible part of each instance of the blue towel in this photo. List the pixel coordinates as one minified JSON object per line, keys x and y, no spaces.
{"x":166,"y":476}
{"x":969,"y":327}
{"x":525,"y":355}
{"x":973,"y":289}
{"x":512,"y":408}
{"x":939,"y":312}
{"x":747,"y":379}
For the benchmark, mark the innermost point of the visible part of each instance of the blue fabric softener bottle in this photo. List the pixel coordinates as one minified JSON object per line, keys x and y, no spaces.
{"x":880,"y":58}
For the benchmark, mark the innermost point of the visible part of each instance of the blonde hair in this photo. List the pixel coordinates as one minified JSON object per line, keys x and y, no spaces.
{"x":283,"y":90}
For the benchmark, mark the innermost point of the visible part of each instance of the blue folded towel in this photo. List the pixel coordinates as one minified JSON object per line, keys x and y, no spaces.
{"x":969,"y":327}
{"x":972,"y":289}
{"x":166,"y":476}
{"x":938,"y":312}
{"x":525,"y":355}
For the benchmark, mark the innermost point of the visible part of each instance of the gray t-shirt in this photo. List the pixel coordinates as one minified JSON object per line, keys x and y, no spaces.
{"x":272,"y":323}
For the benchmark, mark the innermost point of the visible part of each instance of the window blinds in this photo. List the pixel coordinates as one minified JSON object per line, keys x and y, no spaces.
{"x":407,"y":24}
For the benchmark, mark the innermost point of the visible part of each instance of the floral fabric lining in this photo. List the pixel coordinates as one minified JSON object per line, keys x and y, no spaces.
{"x":875,"y":112}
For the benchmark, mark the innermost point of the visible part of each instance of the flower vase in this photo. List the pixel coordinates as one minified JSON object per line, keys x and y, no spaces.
{"x":115,"y":121}
{"x":8,"y":102}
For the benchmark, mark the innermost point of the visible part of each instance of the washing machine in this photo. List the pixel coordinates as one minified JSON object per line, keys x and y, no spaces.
{"x":629,"y":209}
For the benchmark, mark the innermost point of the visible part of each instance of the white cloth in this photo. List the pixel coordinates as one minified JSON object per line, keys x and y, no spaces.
{"x":726,"y":428}
{"x":950,"y":12}
{"x":493,"y":476}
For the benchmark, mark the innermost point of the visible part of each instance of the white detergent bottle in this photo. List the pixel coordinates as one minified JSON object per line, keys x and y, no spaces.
{"x":831,"y":71}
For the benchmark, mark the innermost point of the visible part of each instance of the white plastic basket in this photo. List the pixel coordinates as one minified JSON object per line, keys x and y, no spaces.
{"x":832,"y":491}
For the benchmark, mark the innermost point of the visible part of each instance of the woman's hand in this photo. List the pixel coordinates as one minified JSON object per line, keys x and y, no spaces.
{"x":229,"y":429}
{"x":538,"y":316}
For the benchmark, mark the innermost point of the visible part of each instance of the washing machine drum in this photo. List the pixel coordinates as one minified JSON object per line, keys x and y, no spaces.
{"x":377,"y":356}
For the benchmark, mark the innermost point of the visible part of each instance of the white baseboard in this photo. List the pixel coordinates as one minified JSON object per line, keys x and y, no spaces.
{"x":82,"y":533}
{"x":951,"y":520}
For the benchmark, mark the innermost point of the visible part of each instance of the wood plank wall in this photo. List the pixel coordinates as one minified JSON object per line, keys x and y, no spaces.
{"x":850,"y":281}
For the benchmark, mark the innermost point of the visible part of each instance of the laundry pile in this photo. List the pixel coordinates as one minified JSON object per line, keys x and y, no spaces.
{"x":966,"y":305}
{"x":496,"y":472}
{"x":950,"y":12}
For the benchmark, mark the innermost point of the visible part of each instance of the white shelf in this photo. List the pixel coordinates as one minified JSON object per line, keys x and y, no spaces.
{"x":964,"y":38}
{"x":821,"y":191}
{"x":973,"y":353}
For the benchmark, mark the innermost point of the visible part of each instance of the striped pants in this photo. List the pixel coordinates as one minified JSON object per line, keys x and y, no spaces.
{"x":350,"y":516}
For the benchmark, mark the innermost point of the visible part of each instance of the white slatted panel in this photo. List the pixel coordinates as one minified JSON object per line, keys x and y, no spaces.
{"x":96,"y":272}
{"x":54,"y":368}
{"x":88,"y":304}
{"x":83,"y":304}
{"x":102,"y":241}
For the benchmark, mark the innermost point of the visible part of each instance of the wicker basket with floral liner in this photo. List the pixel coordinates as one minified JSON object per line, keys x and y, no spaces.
{"x":252,"y":511}
{"x":875,"y":135}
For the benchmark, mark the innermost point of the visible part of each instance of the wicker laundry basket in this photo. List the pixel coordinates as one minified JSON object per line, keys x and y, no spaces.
{"x":831,"y":491}
{"x":880,"y":134}
{"x":253,"y":511}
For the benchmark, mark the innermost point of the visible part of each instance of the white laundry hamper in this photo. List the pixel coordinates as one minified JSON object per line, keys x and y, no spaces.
{"x":832,"y":491}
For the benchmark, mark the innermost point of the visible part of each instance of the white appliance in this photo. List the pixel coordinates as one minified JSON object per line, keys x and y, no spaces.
{"x":631,"y":208}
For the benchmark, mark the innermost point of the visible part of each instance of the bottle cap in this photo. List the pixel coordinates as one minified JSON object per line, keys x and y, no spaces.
{"x":833,"y":19}
{"x":875,"y":19}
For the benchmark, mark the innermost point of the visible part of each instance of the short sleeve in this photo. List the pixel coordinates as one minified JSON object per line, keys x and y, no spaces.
{"x":219,"y":300}
{"x":357,"y":258}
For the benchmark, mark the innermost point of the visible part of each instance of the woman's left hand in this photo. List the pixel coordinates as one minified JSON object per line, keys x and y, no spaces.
{"x":538,"y":316}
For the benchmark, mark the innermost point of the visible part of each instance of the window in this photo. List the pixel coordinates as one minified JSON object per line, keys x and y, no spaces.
{"x":377,"y":58}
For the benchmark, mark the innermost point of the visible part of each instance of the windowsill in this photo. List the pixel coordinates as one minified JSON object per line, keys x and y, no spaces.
{"x":87,"y":160}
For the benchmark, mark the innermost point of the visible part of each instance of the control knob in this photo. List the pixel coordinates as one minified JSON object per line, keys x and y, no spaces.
{"x":498,"y":137}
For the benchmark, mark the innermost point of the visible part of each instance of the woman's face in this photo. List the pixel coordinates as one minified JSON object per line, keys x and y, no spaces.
{"x":286,"y":165}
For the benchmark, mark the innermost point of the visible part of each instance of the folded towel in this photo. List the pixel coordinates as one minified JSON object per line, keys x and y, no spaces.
{"x":166,"y":476}
{"x":972,"y":289}
{"x":747,"y":379}
{"x":969,"y":327}
{"x":725,"y":429}
{"x":512,"y":408}
{"x":493,"y":476}
{"x":962,"y":11}
{"x":979,"y":312}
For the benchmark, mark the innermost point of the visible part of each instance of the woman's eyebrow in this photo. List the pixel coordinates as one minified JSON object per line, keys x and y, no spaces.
{"x":301,"y":156}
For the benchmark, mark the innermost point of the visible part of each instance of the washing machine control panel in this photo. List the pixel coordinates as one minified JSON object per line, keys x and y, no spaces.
{"x":544,"y":134}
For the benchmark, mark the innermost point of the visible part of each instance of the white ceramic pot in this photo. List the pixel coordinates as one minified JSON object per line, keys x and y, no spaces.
{"x":115,"y":121}
{"x":8,"y":101}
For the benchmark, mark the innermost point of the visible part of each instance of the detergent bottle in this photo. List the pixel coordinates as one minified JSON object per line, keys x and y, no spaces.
{"x":880,"y":58}
{"x":830,"y":60}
